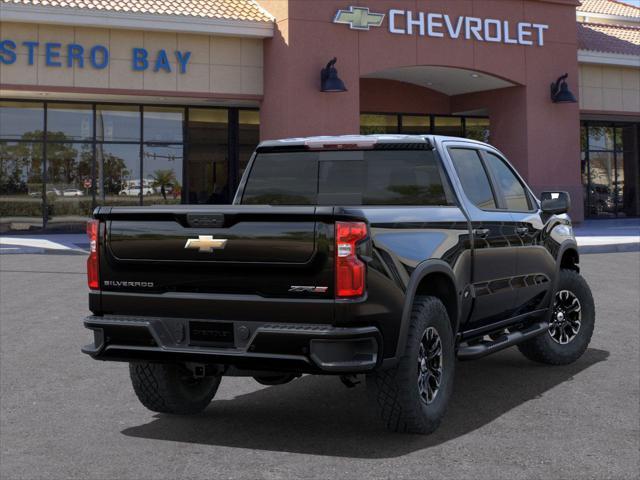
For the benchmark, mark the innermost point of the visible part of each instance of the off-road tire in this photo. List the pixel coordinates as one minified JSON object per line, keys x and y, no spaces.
{"x":169,"y":388}
{"x":395,"y":391}
{"x":543,"y":348}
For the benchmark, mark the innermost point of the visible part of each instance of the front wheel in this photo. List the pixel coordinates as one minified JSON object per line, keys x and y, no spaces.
{"x":413,"y":396}
{"x":571,"y":325}
{"x":169,"y":388}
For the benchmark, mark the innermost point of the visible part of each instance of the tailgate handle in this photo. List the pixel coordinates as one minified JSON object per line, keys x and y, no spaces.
{"x":205,"y":220}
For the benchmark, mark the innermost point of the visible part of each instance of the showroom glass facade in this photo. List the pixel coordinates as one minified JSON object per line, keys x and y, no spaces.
{"x":476,"y":128}
{"x":610,"y":164}
{"x":60,"y":160}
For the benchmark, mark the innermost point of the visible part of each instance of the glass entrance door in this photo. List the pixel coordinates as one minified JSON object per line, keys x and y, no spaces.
{"x":610,"y":165}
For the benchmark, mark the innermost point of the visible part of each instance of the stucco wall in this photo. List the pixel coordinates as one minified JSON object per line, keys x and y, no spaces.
{"x":224,"y":65}
{"x":609,"y":88}
{"x":378,"y":95}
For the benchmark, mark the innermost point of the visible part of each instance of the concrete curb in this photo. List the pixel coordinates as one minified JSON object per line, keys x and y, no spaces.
{"x":620,"y":248}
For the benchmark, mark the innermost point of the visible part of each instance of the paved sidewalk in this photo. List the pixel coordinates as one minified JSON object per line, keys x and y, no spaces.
{"x":606,"y":236}
{"x":593,"y":236}
{"x":71,"y":243}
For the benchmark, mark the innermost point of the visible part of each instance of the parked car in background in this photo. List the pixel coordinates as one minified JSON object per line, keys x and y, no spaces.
{"x":602,"y":200}
{"x":72,"y":192}
{"x":50,"y":191}
{"x":135,"y":190}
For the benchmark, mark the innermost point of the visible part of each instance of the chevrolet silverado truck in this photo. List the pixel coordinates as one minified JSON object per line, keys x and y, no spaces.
{"x":389,"y":256}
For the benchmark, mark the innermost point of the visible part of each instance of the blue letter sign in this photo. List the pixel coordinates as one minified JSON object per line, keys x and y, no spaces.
{"x":96,"y":56}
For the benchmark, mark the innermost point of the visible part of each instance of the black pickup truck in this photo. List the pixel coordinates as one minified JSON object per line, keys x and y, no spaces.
{"x":389,"y":256}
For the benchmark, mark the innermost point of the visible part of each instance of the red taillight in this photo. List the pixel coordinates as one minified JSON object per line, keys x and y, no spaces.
{"x":350,"y":270}
{"x":93,"y":263}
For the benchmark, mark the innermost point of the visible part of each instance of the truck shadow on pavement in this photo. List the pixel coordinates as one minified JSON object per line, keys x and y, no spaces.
{"x":317,"y":415}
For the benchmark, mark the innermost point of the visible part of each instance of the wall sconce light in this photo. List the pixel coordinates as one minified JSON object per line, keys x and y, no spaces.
{"x":560,"y":92}
{"x":329,"y":80}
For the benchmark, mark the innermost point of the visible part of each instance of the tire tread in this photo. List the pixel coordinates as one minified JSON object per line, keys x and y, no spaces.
{"x":392,"y":388}
{"x":537,"y":349}
{"x":155,"y":386}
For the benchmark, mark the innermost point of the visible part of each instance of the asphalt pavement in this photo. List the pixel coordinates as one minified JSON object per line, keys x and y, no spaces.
{"x":65,"y":416}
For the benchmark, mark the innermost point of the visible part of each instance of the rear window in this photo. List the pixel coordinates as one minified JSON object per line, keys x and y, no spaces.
{"x":411,"y":177}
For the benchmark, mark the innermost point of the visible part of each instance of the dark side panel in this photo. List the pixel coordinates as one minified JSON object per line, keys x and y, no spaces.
{"x":536,"y":263}
{"x":403,"y":238}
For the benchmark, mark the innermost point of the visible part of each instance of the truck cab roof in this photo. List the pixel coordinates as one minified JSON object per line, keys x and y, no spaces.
{"x":364,"y":141}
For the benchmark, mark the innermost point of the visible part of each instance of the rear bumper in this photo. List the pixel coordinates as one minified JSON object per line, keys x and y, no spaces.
{"x":302,"y":348}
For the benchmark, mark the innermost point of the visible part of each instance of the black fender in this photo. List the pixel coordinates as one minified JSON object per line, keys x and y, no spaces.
{"x":422,"y":270}
{"x":564,"y":246}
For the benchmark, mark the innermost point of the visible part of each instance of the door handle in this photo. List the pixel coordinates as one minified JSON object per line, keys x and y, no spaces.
{"x":481,"y":232}
{"x":522,"y":231}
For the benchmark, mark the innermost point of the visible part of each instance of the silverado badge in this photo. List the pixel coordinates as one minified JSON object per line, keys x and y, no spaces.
{"x":205,"y":243}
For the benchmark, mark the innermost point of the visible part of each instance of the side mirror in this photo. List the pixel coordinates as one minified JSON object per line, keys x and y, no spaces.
{"x":555,"y":203}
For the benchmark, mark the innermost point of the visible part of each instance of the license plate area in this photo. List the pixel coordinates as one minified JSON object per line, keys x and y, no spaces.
{"x":211,"y":334}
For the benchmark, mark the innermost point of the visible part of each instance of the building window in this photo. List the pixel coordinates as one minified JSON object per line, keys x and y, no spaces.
{"x":416,"y":124}
{"x":609,"y":166}
{"x":69,"y":121}
{"x":118,"y":174}
{"x":21,"y":121}
{"x":248,"y":136}
{"x":162,"y":173}
{"x":449,"y":126}
{"x":476,"y":128}
{"x":208,"y":155}
{"x":22,"y":188}
{"x":118,"y":123}
{"x":377,"y":124}
{"x":59,"y":160}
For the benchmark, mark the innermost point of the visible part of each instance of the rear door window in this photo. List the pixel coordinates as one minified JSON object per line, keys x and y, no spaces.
{"x":407,"y":177}
{"x":473,"y":177}
{"x":509,"y":187}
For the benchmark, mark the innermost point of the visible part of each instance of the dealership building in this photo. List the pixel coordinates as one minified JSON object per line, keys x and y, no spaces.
{"x":129,"y":102}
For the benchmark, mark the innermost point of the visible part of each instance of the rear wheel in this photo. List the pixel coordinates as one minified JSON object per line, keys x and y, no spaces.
{"x":413,"y":396}
{"x":170,"y":388}
{"x":571,"y":325}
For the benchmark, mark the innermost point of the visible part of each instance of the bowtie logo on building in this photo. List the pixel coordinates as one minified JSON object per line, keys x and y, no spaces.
{"x":359,"y":18}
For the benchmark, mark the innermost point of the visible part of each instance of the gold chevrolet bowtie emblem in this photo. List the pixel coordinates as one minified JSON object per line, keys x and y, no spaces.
{"x":359,"y":18}
{"x":205,"y":243}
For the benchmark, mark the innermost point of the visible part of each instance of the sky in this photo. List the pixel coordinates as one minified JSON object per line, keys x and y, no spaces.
{"x":635,"y":3}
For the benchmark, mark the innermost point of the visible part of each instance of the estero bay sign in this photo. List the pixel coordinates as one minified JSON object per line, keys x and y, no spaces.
{"x":441,"y":25}
{"x":93,"y":56}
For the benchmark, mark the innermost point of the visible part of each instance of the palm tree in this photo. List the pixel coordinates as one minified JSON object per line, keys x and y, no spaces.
{"x":163,"y":178}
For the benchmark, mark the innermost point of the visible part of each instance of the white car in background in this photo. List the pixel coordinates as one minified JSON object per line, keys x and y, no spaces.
{"x":50,"y":191}
{"x":72,"y":192}
{"x":135,"y":190}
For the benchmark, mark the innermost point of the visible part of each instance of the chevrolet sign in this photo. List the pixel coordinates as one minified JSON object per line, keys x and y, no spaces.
{"x":441,"y":25}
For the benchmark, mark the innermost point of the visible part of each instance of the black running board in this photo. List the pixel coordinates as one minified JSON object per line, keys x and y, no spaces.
{"x":483,"y":348}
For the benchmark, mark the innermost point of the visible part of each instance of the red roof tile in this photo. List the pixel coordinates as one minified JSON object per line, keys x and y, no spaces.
{"x":223,"y":9}
{"x":609,"y":38}
{"x":609,"y":7}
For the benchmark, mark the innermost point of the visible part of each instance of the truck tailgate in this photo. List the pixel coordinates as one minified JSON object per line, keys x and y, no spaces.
{"x":153,"y":258}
